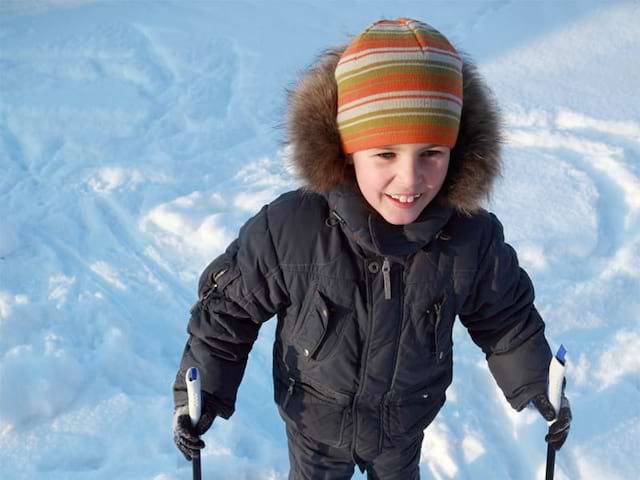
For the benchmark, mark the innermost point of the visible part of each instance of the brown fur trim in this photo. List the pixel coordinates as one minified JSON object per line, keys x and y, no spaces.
{"x":312,"y":129}
{"x":315,"y":141}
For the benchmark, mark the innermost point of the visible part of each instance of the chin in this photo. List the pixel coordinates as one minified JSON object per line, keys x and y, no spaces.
{"x":400,"y":219}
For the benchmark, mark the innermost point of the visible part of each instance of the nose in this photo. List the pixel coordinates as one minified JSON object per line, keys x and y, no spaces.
{"x":409,"y":172}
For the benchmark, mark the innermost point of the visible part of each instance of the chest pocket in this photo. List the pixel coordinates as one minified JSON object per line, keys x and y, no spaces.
{"x":319,"y":331}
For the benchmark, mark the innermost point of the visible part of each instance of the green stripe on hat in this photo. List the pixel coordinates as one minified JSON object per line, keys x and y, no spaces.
{"x":407,"y":117}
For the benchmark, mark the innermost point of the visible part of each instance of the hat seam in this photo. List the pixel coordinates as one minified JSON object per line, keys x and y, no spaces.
{"x":413,"y":32}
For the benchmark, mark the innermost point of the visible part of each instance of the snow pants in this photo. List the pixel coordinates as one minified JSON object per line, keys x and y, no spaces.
{"x":312,"y":460}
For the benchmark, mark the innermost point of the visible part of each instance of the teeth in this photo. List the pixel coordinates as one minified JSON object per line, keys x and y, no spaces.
{"x":405,"y":198}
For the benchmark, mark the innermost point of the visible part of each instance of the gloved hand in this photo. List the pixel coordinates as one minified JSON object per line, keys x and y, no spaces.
{"x":186,"y":436}
{"x":558,"y":430}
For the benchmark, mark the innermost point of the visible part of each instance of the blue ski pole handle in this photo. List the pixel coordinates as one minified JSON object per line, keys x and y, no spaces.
{"x":195,"y":409}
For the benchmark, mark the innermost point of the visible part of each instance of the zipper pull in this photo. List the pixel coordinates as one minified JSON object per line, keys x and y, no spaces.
{"x":292,"y":382}
{"x":386,"y":277}
{"x":437,"y":308}
{"x":338,"y":217}
{"x":217,"y":276}
{"x":214,"y":281}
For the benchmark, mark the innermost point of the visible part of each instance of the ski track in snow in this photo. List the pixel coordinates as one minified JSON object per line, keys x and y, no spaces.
{"x":133,"y":151}
{"x":590,"y":308}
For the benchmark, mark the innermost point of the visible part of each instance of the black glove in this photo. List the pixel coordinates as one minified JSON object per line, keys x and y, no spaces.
{"x":186,"y":436}
{"x":558,"y":430}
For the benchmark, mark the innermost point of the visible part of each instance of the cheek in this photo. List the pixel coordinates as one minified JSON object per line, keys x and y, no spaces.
{"x":442,"y":173}
{"x":369,"y":180}
{"x":437,"y":173}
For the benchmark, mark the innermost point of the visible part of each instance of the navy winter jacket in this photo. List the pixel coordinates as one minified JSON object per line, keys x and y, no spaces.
{"x":365,"y":311}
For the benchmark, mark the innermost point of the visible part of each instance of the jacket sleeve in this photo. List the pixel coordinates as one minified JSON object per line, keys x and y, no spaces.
{"x":502,"y":319}
{"x":237,"y":292}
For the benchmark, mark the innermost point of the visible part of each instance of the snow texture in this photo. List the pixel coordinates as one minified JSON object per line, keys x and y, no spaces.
{"x":137,"y":136}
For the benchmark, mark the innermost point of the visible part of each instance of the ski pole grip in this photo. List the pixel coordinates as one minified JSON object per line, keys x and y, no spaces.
{"x":194,"y":395}
{"x":556,"y":377}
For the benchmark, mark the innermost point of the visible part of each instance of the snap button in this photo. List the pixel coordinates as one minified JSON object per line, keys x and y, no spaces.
{"x":306,"y":352}
{"x":324,"y":312}
{"x":441,"y":355}
{"x":426,"y":395}
{"x":374,"y":267}
{"x":331,"y":221}
{"x":443,"y":236}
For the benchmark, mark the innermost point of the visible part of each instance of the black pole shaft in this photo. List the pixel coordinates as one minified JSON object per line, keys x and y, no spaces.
{"x":197,"y":474}
{"x":551,"y":462}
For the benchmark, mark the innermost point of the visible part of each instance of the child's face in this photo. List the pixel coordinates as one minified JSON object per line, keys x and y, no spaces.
{"x":401,"y":171}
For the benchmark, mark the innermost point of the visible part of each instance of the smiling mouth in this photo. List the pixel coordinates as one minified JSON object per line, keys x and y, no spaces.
{"x":404,"y":199}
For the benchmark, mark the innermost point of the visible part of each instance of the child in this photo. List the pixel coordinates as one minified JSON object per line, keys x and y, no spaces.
{"x":367,"y":267}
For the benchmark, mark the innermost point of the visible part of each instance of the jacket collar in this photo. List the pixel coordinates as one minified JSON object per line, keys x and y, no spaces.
{"x":367,"y":227}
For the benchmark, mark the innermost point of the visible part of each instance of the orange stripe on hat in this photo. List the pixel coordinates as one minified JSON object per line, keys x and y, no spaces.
{"x":365,"y":91}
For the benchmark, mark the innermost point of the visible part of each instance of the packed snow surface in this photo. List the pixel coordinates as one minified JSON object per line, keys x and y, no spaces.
{"x":135,"y":139}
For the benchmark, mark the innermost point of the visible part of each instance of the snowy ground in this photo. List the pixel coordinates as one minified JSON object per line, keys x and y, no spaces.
{"x":136,"y":137}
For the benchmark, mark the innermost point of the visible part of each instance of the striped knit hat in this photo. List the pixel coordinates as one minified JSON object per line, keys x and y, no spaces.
{"x":399,"y":81}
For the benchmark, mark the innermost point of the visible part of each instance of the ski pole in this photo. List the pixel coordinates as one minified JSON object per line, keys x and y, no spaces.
{"x":195,"y":408}
{"x":556,"y":378}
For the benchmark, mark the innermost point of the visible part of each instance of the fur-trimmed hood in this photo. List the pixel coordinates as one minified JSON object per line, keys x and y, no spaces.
{"x":315,"y":141}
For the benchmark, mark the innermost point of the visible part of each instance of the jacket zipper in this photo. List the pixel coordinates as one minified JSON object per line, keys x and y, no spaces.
{"x":386,"y":277}
{"x":363,"y":370}
{"x":314,"y":390}
{"x":385,"y":398}
{"x":437,"y":309}
{"x":215,"y":279}
{"x":384,"y":413}
{"x":381,"y":414}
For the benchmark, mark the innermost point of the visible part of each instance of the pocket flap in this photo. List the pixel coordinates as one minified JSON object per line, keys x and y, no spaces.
{"x":314,"y":327}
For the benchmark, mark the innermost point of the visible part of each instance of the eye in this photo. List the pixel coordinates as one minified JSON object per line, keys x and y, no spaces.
{"x":387,"y":155}
{"x":433,"y":153}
